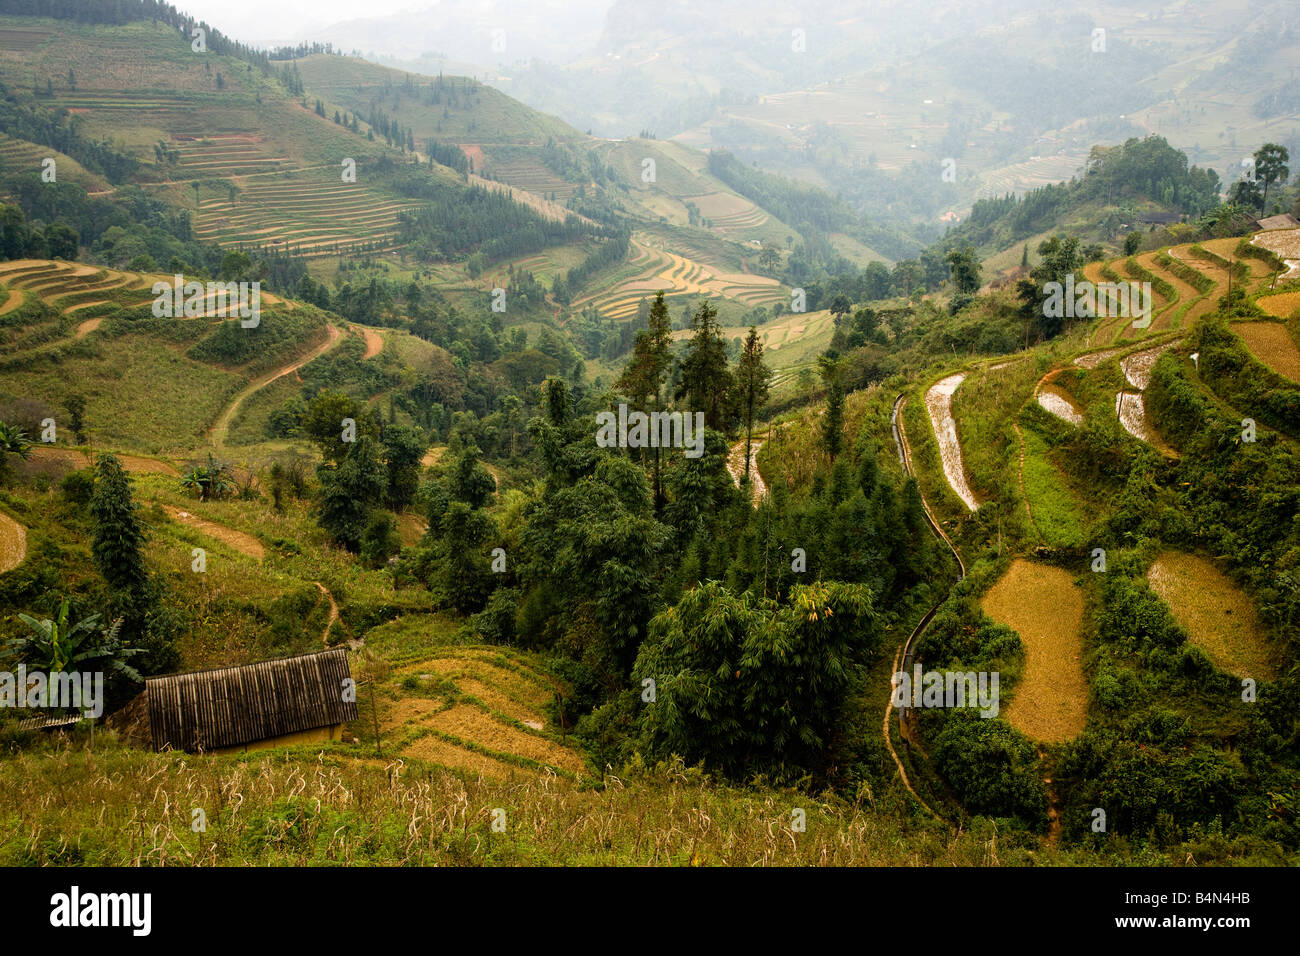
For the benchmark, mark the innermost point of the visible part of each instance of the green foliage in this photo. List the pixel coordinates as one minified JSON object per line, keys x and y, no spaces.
{"x":349,"y":490}
{"x":747,"y":686}
{"x":119,"y":535}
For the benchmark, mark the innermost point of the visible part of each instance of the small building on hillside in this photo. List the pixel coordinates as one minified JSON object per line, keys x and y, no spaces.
{"x":290,"y":700}
{"x":1284,"y":221}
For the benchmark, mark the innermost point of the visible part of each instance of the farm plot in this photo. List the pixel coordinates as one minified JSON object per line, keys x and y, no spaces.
{"x":1272,"y":344}
{"x":1216,"y":613}
{"x":938,"y":402}
{"x":677,"y":275}
{"x":225,"y":155}
{"x":310,"y":213}
{"x":1283,"y":305}
{"x":1060,"y":403}
{"x":1286,"y":243}
{"x":1044,"y":606}
{"x":477,"y":707}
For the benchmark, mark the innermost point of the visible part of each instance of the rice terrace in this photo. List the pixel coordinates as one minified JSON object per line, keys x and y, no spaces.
{"x":589,"y":435}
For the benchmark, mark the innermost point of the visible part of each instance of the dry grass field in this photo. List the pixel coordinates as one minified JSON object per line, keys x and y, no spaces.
{"x":1045,"y":607}
{"x":1271,"y":343}
{"x":480,"y":708}
{"x":1219,"y":616}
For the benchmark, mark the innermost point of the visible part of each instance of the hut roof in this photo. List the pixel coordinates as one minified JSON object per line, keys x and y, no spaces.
{"x":230,"y":706}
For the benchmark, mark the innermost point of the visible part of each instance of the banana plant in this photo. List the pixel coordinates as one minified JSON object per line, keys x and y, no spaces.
{"x":58,"y":645}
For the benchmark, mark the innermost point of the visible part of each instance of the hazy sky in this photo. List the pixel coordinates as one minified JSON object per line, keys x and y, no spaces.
{"x":268,"y":22}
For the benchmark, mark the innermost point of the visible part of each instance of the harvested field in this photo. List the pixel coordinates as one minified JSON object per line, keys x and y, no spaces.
{"x":1283,"y":305}
{"x":1056,"y":400}
{"x":938,"y":402}
{"x":13,"y":543}
{"x":468,"y":722}
{"x":1044,"y":606}
{"x":1271,"y":343}
{"x":1284,"y":242}
{"x":1216,"y":613}
{"x":439,"y":751}
{"x":1093,"y":359}
{"x":241,"y":542}
{"x":131,"y":463}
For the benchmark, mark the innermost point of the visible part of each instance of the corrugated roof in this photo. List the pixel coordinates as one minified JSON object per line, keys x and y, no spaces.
{"x":230,"y":706}
{"x":1283,"y":221}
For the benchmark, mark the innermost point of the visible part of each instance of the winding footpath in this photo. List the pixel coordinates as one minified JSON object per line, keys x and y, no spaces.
{"x":221,"y":429}
{"x":906,"y":652}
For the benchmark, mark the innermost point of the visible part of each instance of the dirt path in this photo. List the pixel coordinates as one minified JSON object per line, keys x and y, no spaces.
{"x":13,"y":543}
{"x":241,"y":542}
{"x":130,"y":463}
{"x":374,"y":341}
{"x":85,"y":328}
{"x":14,"y":300}
{"x":217,"y":434}
{"x":736,"y":465}
{"x":334,"y":612}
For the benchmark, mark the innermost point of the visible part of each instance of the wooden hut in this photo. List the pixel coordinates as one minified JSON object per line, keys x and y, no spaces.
{"x":272,"y":703}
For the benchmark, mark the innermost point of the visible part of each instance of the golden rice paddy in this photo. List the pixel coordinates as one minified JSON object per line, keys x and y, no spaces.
{"x":1216,"y":613}
{"x":1271,"y":343}
{"x":1045,"y":607}
{"x":1283,"y":305}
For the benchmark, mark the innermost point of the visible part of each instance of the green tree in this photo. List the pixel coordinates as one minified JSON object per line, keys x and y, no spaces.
{"x":118,"y":534}
{"x":833,"y":420}
{"x":76,"y":405}
{"x":965,"y":270}
{"x":643,"y":378}
{"x":404,"y":448}
{"x":705,"y":378}
{"x":349,"y":491}
{"x":13,"y":441}
{"x":58,"y":645}
{"x":746,"y":685}
{"x":1270,"y":167}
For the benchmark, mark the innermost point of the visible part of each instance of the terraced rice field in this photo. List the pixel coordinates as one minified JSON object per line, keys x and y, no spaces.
{"x":1286,"y":243}
{"x":938,"y":402}
{"x":231,"y":154}
{"x":1272,"y":344}
{"x":1042,"y":604}
{"x":1283,"y":305}
{"x":477,"y":707}
{"x":1060,"y":403}
{"x":311,"y":212}
{"x":1130,"y":407}
{"x":1216,"y":613}
{"x":652,"y":270}
{"x":1227,"y":248}
{"x":531,"y":176}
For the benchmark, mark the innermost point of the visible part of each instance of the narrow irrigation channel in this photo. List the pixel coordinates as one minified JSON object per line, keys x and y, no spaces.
{"x":906,"y":653}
